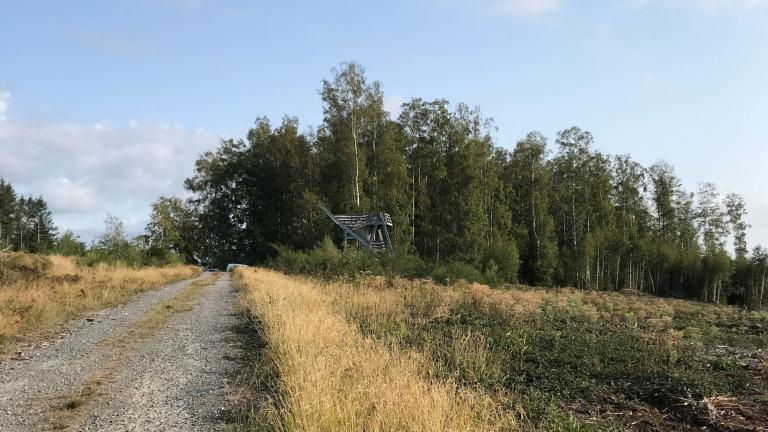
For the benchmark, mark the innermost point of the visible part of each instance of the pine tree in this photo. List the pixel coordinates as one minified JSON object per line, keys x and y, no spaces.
{"x":8,"y":207}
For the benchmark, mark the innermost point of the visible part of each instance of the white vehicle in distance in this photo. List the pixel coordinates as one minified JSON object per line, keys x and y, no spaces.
{"x":231,"y":267}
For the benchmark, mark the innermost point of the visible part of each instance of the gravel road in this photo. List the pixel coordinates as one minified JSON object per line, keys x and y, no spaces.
{"x":172,"y":378}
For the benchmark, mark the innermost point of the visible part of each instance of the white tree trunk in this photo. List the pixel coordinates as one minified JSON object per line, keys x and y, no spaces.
{"x":357,"y":168}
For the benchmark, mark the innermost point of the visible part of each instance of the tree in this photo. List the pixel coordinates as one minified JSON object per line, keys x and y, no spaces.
{"x":711,"y":218}
{"x":530,"y":185}
{"x":113,"y":237}
{"x":665,"y":185}
{"x":390,"y":189}
{"x":220,"y":204}
{"x":582,"y":208}
{"x":8,"y":208}
{"x":353,"y":111}
{"x":759,"y":263}
{"x":736,"y":209}
{"x":711,"y":221}
{"x":69,"y":245}
{"x":580,"y":218}
{"x":171,"y":227}
{"x":632,"y":219}
{"x":40,"y":228}
{"x":426,"y":128}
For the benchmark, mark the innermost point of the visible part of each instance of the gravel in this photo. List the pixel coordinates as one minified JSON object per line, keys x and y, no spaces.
{"x":176,"y":380}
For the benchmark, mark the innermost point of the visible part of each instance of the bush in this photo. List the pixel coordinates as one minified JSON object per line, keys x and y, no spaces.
{"x":131,"y":255}
{"x":406,"y":265}
{"x":452,"y":272}
{"x":501,"y":262}
{"x":69,"y":245}
{"x":326,"y":260}
{"x":158,"y":257}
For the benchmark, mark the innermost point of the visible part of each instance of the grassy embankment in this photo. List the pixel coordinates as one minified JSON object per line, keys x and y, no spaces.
{"x":40,"y":293}
{"x":410,"y":355}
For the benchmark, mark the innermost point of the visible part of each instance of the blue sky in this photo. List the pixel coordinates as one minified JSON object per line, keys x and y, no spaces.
{"x":105,"y":105}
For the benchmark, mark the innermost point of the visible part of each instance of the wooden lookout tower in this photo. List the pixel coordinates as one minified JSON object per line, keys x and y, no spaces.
{"x":370,"y":231}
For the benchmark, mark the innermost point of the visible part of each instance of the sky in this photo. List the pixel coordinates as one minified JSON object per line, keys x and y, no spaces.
{"x":104,"y":106}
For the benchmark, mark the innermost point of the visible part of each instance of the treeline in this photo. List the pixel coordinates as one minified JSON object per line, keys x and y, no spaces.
{"x":555,"y":215}
{"x":26,"y":224}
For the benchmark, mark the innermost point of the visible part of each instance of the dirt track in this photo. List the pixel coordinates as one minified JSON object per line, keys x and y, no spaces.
{"x":159,"y":363}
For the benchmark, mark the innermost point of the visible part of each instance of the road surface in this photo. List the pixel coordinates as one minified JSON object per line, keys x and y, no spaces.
{"x":162,"y":362}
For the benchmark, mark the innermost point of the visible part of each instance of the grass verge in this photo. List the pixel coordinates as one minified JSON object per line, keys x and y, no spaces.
{"x":334,"y":378}
{"x":38,"y":294}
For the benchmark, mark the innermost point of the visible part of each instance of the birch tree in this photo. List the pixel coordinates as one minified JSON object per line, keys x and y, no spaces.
{"x":352,"y":109}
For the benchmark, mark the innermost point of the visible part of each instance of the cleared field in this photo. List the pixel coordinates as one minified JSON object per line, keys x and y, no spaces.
{"x":408,"y":355}
{"x":38,"y":294}
{"x":331,"y":377}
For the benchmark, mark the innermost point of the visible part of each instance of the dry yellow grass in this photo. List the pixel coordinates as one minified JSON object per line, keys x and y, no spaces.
{"x":333,"y":378}
{"x":375,"y":297}
{"x":66,"y":291}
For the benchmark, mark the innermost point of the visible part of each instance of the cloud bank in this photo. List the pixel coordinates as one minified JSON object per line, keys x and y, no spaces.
{"x":87,"y":171}
{"x":4,"y":96}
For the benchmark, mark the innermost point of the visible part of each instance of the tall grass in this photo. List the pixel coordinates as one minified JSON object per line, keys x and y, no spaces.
{"x":565,"y":358}
{"x":333,"y":378}
{"x":38,"y":297}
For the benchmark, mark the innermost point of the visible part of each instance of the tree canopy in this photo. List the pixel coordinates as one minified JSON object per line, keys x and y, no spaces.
{"x":562,"y":215}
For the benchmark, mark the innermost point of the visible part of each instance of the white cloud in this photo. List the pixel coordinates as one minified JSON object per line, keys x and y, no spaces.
{"x":4,"y":97}
{"x":64,"y":195}
{"x":528,"y":8}
{"x":87,"y":171}
{"x":709,"y":5}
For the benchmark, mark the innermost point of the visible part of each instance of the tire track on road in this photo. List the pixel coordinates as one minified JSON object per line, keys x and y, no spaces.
{"x":72,"y":408}
{"x":38,"y":375}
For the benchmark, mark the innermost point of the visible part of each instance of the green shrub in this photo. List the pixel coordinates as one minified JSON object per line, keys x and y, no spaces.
{"x":726,"y":364}
{"x":455,"y":271}
{"x":501,"y":262}
{"x":69,"y":245}
{"x":326,"y":260}
{"x":405,"y":265}
{"x":131,"y":255}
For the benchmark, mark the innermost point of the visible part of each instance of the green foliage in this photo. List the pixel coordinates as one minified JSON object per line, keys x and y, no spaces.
{"x":446,"y":274}
{"x":500,"y":262}
{"x":326,"y":260}
{"x":26,"y":224}
{"x":405,"y":265}
{"x":564,"y":216}
{"x":171,"y":228}
{"x":69,"y":245}
{"x":114,"y":248}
